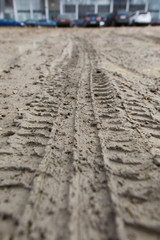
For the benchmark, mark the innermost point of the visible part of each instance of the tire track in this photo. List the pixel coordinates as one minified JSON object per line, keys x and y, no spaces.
{"x":127,"y":155}
{"x":23,"y":149}
{"x":72,"y":200}
{"x":124,"y":54}
{"x":46,"y":214}
{"x":92,"y":214}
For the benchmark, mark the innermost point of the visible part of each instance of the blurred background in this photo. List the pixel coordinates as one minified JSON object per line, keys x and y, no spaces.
{"x":21,"y":10}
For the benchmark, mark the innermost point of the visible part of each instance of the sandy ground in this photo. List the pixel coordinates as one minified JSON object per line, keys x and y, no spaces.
{"x":80,"y":134}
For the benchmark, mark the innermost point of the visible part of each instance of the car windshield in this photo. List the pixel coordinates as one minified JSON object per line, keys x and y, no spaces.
{"x":42,"y":20}
{"x":142,"y":12}
{"x":92,"y":15}
{"x":122,"y":12}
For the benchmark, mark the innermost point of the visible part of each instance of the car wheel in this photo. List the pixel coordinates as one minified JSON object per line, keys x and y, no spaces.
{"x":112,"y":24}
{"x":133,"y":23}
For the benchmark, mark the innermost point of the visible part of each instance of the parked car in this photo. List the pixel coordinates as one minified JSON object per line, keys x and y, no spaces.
{"x":155,"y":22}
{"x":10,"y":23}
{"x":30,"y":23}
{"x":77,"y":23}
{"x":121,"y":17}
{"x":92,"y":20}
{"x":140,"y":18}
{"x":63,"y":21}
{"x":45,"y":23}
{"x":109,"y":19}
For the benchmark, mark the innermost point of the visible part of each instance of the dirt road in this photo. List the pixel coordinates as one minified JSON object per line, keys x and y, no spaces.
{"x":80,"y":134}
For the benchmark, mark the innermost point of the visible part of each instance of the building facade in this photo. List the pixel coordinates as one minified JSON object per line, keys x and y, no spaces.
{"x":37,"y":9}
{"x":29,"y":9}
{"x":79,"y":8}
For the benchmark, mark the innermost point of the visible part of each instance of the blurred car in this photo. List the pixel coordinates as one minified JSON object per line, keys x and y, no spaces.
{"x":92,"y":20}
{"x":121,"y":17}
{"x":46,"y":23}
{"x":109,"y":19}
{"x":63,"y":21}
{"x":30,"y":23}
{"x":140,"y":18}
{"x":77,"y":23}
{"x":10,"y":23}
{"x":155,"y":22}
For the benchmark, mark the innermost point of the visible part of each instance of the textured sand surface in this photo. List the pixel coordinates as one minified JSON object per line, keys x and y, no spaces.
{"x":80,"y":134}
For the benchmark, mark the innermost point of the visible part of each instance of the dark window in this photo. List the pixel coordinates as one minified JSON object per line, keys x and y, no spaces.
{"x":85,"y":9}
{"x":103,"y":8}
{"x":120,"y":2}
{"x":23,"y":11}
{"x":117,"y":7}
{"x":8,"y":3}
{"x":134,"y":8}
{"x":69,"y":8}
